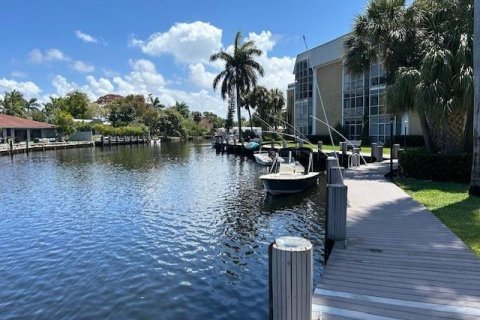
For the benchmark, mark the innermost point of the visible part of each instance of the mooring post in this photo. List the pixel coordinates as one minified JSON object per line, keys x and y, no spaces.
{"x":336,"y":212}
{"x":27,"y":147}
{"x":102,"y":139}
{"x":379,"y":154}
{"x":290,"y":279}
{"x":331,"y":162}
{"x":11,"y":147}
{"x":343,"y":146}
{"x":395,"y":150}
{"x":335,"y":175}
{"x":373,"y":153}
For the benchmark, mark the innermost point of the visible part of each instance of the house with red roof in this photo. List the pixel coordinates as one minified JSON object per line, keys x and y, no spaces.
{"x":22,"y":129}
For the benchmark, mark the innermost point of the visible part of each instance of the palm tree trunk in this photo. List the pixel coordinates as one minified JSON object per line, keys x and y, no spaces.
{"x":239,"y":116}
{"x":250,"y":119}
{"x":474,"y":189}
{"x":425,"y":132}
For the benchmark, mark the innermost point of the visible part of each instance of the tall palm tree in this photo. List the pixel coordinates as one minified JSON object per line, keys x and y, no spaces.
{"x":240,"y":72}
{"x":475,"y":177}
{"x":197,"y":117}
{"x":249,"y":104}
{"x":13,"y":103}
{"x":277,"y":102}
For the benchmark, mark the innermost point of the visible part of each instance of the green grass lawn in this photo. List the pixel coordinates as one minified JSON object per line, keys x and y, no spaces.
{"x":451,"y":203}
{"x":330,"y":148}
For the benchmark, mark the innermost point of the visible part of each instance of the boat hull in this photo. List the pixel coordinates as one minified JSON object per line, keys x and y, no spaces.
{"x":276,"y":184}
{"x":263,"y":159}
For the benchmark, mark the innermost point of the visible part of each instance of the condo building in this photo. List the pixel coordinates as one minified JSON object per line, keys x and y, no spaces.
{"x":325,"y":90}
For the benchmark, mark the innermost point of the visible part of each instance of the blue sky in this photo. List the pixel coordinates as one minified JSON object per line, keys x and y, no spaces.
{"x":159,"y":47}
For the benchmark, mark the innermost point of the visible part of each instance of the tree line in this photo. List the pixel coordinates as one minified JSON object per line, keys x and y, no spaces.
{"x":127,"y":115}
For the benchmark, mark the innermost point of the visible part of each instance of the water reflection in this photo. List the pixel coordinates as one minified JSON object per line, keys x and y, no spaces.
{"x":138,"y":231}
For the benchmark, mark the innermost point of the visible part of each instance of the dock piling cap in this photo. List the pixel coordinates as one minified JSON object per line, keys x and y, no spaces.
{"x":292,"y":244}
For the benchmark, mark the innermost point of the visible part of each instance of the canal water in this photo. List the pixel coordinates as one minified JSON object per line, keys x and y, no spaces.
{"x":142,"y":232}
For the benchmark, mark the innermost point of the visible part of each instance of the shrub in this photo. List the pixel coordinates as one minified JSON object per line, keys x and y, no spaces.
{"x":436,"y":166}
{"x":83,"y":126}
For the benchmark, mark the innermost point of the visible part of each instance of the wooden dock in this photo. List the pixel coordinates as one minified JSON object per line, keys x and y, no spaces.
{"x":33,"y":147}
{"x":400,"y":261}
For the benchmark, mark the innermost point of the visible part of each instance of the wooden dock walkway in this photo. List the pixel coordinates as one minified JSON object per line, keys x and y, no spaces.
{"x":33,"y":147}
{"x":400,"y":261}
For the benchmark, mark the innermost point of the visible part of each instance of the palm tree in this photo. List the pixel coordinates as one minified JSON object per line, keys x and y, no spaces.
{"x":155,"y":102}
{"x":426,"y":49}
{"x":249,"y":104}
{"x":240,"y":72}
{"x":197,"y":117}
{"x":277,"y":103}
{"x":31,"y":105}
{"x":13,"y":103}
{"x":475,"y":177}
{"x":182,"y":108}
{"x":260,"y":99}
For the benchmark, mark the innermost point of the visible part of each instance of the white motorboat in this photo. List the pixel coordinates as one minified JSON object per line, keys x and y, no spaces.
{"x":264,"y":158}
{"x":289,"y":176}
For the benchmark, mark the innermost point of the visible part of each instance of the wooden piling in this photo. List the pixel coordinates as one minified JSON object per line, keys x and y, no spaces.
{"x":290,"y":279}
{"x":331,"y":162}
{"x":335,"y":175}
{"x":373,"y":152}
{"x":343,"y":148}
{"x":336,"y":212}
{"x":379,"y":154}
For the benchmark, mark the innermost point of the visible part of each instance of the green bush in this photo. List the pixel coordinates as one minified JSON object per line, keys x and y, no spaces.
{"x":83,"y":126}
{"x":436,"y":166}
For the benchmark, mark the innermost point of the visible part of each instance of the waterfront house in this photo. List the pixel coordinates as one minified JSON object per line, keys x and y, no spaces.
{"x":21,"y":129}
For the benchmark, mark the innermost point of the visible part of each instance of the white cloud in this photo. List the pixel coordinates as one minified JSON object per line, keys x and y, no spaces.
{"x":99,"y":87}
{"x":83,"y":67}
{"x":56,"y":55}
{"x":264,"y":41}
{"x":35,"y":56}
{"x":278,"y":71}
{"x":63,"y":86}
{"x":27,"y":88}
{"x":85,"y":37}
{"x":18,"y":74}
{"x":187,"y":42}
{"x":50,"y":55}
{"x":144,"y":78}
{"x":200,"y":77}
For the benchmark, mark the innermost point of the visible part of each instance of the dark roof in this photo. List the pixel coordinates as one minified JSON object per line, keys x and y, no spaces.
{"x":21,"y":123}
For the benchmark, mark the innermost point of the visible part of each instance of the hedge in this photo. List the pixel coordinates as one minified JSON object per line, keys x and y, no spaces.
{"x":412,"y":141}
{"x":436,"y":166}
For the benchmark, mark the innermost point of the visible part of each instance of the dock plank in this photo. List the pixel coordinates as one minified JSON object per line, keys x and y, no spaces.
{"x":400,"y":261}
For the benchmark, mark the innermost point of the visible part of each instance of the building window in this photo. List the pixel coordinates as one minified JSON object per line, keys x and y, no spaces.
{"x":354,"y":129}
{"x":303,"y":96}
{"x":355,"y":99}
{"x":377,"y":75}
